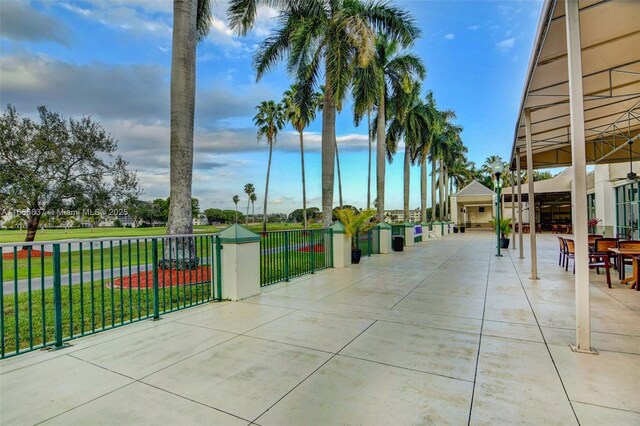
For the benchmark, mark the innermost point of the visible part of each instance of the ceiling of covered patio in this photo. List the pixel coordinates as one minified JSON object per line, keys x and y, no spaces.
{"x":610,"y":40}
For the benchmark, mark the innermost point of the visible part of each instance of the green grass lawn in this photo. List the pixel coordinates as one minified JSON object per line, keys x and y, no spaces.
{"x":85,"y":310}
{"x":123,"y":255}
{"x":15,"y":236}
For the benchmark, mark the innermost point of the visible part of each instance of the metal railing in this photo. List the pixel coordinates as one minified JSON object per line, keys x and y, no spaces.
{"x":288,"y":254}
{"x":56,"y":291}
{"x":369,"y":242}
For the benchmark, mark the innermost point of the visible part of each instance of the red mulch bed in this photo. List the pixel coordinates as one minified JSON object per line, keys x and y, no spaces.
{"x":166,"y":278}
{"x":23,"y":254}
{"x":317,"y":248}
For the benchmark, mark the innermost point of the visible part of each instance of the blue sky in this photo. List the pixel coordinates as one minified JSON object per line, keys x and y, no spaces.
{"x":111,"y":60}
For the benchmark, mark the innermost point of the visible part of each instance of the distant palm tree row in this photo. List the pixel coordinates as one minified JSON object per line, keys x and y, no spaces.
{"x":362,"y":48}
{"x":332,"y":50}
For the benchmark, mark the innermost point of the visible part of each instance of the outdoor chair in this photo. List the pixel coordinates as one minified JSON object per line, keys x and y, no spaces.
{"x":593,"y":238}
{"x":563,"y":251}
{"x":624,"y":260}
{"x":570,"y":253}
{"x":600,"y":257}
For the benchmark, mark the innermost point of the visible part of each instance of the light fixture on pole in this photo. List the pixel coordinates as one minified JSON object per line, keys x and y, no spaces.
{"x":497,"y":167}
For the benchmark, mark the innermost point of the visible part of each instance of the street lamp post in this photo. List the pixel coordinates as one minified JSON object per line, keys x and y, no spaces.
{"x":497,"y":167}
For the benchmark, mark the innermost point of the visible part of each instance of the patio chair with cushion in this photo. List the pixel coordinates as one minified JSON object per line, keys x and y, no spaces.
{"x":593,"y":238}
{"x":600,"y":257}
{"x":570,"y":253}
{"x":563,"y":251}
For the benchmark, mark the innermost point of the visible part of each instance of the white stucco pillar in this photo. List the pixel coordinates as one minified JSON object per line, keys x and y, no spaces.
{"x":385,"y":237}
{"x":579,"y":184}
{"x":605,"y":197}
{"x":240,"y":261}
{"x":409,"y":240}
{"x":341,"y":246}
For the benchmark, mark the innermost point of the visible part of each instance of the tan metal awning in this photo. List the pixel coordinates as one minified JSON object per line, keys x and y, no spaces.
{"x":610,"y":44}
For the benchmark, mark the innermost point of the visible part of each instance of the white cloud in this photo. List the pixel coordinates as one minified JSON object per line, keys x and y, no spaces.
{"x":473,"y":27}
{"x":506,"y":45}
{"x":450,"y":36}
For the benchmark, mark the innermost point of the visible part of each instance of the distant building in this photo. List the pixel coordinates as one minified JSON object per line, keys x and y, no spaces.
{"x":391,"y":216}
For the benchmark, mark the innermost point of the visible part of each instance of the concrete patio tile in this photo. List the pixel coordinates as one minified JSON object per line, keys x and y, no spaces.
{"x":609,"y":379}
{"x":32,"y":395}
{"x":513,"y":309}
{"x":311,"y":291}
{"x":517,"y":383}
{"x":244,"y":376}
{"x":463,"y":325}
{"x":137,"y":355}
{"x":351,"y":391}
{"x":325,"y":332}
{"x":278,"y":301}
{"x":600,"y":341}
{"x":466,"y":307}
{"x":237,"y":317}
{"x":446,"y":288}
{"x":364,"y":297}
{"x":140,"y":404}
{"x":429,"y":350}
{"x":511,"y":330}
{"x":594,"y":415}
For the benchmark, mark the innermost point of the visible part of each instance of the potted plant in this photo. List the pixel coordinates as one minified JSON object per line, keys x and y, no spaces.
{"x":593,"y":223}
{"x":505,"y":231}
{"x":355,"y":224}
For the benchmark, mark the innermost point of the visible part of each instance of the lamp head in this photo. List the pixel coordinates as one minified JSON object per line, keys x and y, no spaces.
{"x":497,"y":167}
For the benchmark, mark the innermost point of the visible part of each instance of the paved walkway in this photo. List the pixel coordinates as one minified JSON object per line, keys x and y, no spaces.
{"x":444,"y":333}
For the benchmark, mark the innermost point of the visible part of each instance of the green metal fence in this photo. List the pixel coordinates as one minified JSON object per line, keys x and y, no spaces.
{"x":369,"y":242}
{"x":56,"y":291}
{"x":288,"y":254}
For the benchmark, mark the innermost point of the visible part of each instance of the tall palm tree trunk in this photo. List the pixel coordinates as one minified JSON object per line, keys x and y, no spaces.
{"x":339,"y":177}
{"x":433,"y":188}
{"x":445,"y":184}
{"x":407,"y":178}
{"x":183,"y":89}
{"x":253,"y":212}
{"x":441,"y":190}
{"x":380,"y":157}
{"x":266,"y":189}
{"x":248,"y":202}
{"x":423,"y":188}
{"x":328,"y":154}
{"x":369,"y":166}
{"x":304,"y":187}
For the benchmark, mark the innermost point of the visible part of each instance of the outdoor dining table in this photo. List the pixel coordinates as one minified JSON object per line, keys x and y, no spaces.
{"x":635,"y":253}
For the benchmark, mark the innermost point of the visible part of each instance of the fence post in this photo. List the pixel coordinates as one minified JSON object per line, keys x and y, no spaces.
{"x":286,"y":255}
{"x":369,"y":235}
{"x":312,"y":252}
{"x":156,"y":293}
{"x":57,"y":297}
{"x":219,"y":267}
{"x":331,"y":245}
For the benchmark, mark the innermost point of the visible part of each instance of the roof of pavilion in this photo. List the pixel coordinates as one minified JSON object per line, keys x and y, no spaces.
{"x":474,"y":189}
{"x":610,"y":36}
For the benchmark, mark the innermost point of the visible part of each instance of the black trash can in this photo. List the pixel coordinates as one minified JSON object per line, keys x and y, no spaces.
{"x":398,"y":243}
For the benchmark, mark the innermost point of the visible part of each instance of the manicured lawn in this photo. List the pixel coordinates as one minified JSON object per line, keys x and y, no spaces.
{"x":86,"y":309}
{"x":15,"y":236}
{"x":130,"y":253}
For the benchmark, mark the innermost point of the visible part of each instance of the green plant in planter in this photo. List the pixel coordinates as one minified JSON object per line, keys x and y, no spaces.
{"x":505,"y":229}
{"x":356,"y":223}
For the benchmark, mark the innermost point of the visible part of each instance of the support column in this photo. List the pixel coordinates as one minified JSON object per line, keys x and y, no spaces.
{"x":520,"y":236}
{"x":341,"y":246}
{"x":579,"y":183}
{"x":240,"y":263}
{"x":513,"y":211}
{"x":532,"y":201}
{"x":385,"y":237}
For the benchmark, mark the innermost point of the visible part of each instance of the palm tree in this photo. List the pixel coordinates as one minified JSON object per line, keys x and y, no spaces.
{"x":191,"y":22}
{"x":236,"y":200}
{"x":253,"y":199}
{"x":248,"y":189}
{"x":367,"y":82}
{"x":335,"y":37}
{"x":269,"y":119}
{"x":294,"y":105}
{"x":423,"y":149}
{"x":409,"y":120}
{"x":398,"y":69}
